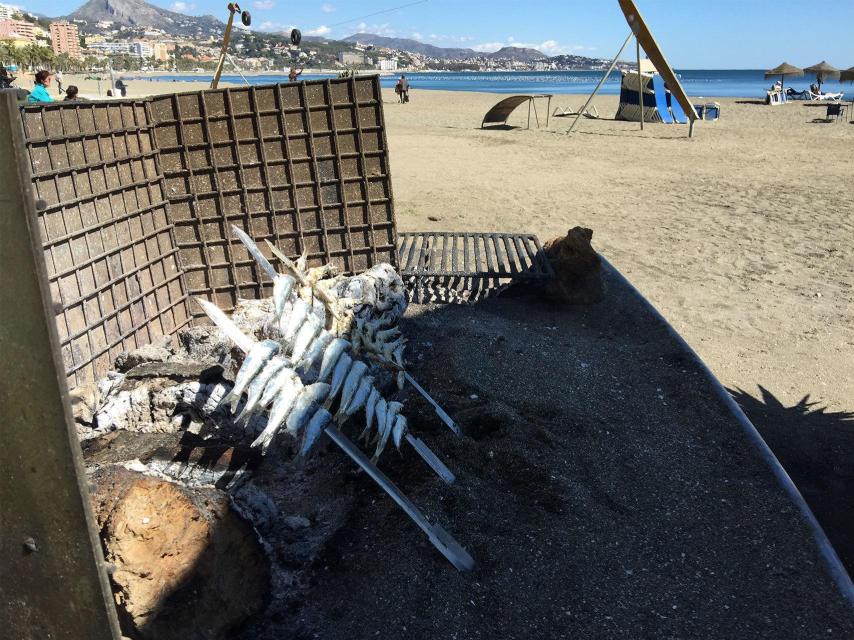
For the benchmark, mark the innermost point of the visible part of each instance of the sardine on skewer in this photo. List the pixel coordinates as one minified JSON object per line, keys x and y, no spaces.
{"x":255,"y":360}
{"x":366,"y":386}
{"x":370,"y":412}
{"x":306,"y":405}
{"x":393,"y":409}
{"x":256,"y":388}
{"x":351,"y":383}
{"x":307,"y":332}
{"x":317,"y":348}
{"x":291,"y":323}
{"x":282,"y":407}
{"x":319,"y":421}
{"x":338,"y":377}
{"x":285,"y":376}
{"x":330,"y":357}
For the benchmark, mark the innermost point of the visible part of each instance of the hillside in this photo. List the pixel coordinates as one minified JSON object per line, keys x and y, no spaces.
{"x":138,"y":13}
{"x":412,"y":46}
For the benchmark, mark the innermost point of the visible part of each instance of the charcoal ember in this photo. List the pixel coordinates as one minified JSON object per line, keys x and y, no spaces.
{"x":186,"y":564}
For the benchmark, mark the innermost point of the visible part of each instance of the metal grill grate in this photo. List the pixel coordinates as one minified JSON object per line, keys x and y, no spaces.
{"x":490,"y":256}
{"x":303,"y":165}
{"x":139,"y":197}
{"x":112,"y":264}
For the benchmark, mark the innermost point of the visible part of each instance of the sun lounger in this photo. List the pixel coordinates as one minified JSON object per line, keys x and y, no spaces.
{"x":826,"y":96}
{"x":708,"y":111}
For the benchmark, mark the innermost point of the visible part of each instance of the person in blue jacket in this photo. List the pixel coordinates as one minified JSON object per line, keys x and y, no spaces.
{"x":39,"y":92}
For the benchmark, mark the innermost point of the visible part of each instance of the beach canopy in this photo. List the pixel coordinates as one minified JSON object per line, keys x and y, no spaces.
{"x":784,"y":70}
{"x":822,"y":72}
{"x":847,"y":75}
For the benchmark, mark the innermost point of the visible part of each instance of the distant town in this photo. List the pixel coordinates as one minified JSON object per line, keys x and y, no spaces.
{"x":132,"y":35}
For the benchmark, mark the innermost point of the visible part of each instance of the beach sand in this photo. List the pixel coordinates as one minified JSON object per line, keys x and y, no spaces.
{"x":743,"y":236}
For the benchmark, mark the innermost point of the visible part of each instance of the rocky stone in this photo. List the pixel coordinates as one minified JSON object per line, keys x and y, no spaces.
{"x":578,"y":277}
{"x":186,"y":565}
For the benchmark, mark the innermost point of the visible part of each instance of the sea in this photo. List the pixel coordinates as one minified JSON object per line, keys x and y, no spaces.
{"x":739,"y":83}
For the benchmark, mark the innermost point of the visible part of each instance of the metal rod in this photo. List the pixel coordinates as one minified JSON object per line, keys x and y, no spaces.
{"x":440,"y":538}
{"x":640,"y":84}
{"x":225,"y":38}
{"x":601,"y":82}
{"x":431,"y":459}
{"x":439,"y":411}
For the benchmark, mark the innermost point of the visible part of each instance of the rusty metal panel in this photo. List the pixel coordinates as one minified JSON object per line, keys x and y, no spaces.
{"x":303,"y":165}
{"x":112,"y":262}
{"x":53,"y":580}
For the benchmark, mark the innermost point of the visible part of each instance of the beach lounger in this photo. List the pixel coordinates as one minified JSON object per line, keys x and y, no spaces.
{"x":708,"y":111}
{"x":591,"y":112}
{"x":563,"y":112}
{"x":661,"y":99}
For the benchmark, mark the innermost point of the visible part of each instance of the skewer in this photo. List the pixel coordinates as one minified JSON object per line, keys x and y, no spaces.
{"x":453,"y":426}
{"x":440,"y":538}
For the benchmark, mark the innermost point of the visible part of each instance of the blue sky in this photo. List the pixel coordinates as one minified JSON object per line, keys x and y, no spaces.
{"x":722,"y":34}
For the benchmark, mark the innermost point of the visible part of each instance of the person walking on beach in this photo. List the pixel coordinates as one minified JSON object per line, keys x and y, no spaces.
{"x":294,"y":74}
{"x":39,"y":92}
{"x":58,"y":76}
{"x":402,"y":89}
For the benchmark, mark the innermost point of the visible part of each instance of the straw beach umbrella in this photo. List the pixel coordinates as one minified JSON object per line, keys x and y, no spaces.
{"x":822,"y":72}
{"x":847,"y":75}
{"x":784,"y":70}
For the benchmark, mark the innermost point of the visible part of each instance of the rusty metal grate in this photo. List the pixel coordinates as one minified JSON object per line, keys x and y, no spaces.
{"x":490,"y":256}
{"x":303,"y":165}
{"x":112,"y":263}
{"x":139,"y":195}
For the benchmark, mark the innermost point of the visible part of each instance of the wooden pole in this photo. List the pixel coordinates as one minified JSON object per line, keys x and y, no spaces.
{"x":640,"y":84}
{"x":225,"y":38}
{"x":601,"y":82}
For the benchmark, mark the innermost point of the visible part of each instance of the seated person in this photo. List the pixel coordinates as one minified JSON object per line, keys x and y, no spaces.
{"x":71,"y":93}
{"x":39,"y":92}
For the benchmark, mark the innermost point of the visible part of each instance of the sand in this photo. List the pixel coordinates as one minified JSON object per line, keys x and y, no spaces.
{"x":742,"y":236}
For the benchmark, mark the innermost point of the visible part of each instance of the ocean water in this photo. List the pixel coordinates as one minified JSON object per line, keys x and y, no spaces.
{"x":698,"y":83}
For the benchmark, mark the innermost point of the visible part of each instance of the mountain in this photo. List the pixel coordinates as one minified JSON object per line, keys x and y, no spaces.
{"x":412,"y":46}
{"x":138,"y":13}
{"x":520,"y":54}
{"x":516,"y":53}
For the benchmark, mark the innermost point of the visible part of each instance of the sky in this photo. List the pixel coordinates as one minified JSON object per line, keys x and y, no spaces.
{"x":719,"y":34}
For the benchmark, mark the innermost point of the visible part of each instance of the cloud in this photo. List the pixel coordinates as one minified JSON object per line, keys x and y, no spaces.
{"x":384,"y":29}
{"x":264,"y":4}
{"x":548,"y":47}
{"x":182,"y":7}
{"x":322,"y":30}
{"x":275,"y":27}
{"x":327,"y":8}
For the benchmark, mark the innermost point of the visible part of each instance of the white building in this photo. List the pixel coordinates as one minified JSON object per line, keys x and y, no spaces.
{"x":347,"y":58}
{"x":138,"y":49}
{"x":7,"y":12}
{"x":387,"y":64}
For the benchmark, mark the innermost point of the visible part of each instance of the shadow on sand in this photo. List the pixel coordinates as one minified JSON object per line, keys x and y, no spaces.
{"x":816,"y":448}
